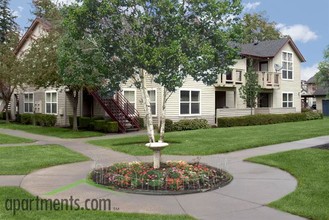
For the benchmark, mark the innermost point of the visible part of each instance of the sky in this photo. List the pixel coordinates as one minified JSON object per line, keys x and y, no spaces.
{"x":307,"y":22}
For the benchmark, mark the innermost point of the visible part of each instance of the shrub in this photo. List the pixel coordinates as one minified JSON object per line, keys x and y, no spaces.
{"x":106,"y":126}
{"x":111,"y":127}
{"x":99,"y":125}
{"x":40,"y":119}
{"x":265,"y":119}
{"x":141,"y":122}
{"x":45,"y":120}
{"x":71,"y":120}
{"x":186,"y":124}
{"x":313,"y":115}
{"x":169,"y":125}
{"x":84,"y":122}
{"x":26,"y":119}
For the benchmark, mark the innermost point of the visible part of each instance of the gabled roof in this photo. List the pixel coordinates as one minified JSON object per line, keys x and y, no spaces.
{"x":269,"y":48}
{"x":311,"y":80}
{"x":46,"y":25}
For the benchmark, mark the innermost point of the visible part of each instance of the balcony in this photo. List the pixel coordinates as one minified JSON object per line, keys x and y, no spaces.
{"x":269,"y":80}
{"x":230,"y":79}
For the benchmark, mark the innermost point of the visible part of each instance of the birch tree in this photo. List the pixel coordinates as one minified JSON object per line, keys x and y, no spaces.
{"x":167,"y":40}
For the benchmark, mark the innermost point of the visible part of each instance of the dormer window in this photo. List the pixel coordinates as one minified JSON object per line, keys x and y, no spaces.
{"x":287,"y":65}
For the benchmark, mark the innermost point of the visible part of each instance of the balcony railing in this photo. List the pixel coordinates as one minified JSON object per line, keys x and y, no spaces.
{"x":230,"y":79}
{"x":269,"y":80}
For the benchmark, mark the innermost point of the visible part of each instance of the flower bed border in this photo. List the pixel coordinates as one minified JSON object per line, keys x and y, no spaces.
{"x":221,"y":184}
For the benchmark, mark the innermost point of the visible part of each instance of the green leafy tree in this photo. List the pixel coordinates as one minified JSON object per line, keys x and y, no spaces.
{"x":257,"y":28}
{"x":250,"y":90}
{"x":167,"y":40}
{"x":322,"y":76}
{"x":57,"y":58}
{"x":11,"y":76}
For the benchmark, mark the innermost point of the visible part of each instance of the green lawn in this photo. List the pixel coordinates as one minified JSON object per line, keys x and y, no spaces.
{"x":8,"y":193}
{"x":25,"y":159}
{"x":51,"y":131}
{"x":220,"y":140}
{"x":310,"y":167}
{"x":7,"y":139}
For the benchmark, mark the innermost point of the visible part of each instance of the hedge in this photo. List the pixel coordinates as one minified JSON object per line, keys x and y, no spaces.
{"x":265,"y":119}
{"x":40,"y":119}
{"x":106,"y":126}
{"x":186,"y":124}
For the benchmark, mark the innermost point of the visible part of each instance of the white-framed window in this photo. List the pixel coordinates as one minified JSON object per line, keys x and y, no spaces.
{"x":190,"y":102}
{"x":287,"y":100}
{"x":153,"y":101}
{"x":130,"y":95}
{"x":28,"y":102}
{"x":51,"y":102}
{"x":238,"y":75}
{"x":287,"y":65}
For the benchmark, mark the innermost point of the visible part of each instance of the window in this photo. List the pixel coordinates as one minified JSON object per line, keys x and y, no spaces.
{"x":287,"y":70}
{"x":238,"y":75}
{"x":51,"y":103}
{"x":152,"y":94}
{"x":28,"y":103}
{"x":287,"y":100}
{"x":130,"y":95}
{"x":189,"y":102}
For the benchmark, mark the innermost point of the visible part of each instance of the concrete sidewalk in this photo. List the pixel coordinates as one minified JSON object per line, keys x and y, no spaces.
{"x":245,"y":197}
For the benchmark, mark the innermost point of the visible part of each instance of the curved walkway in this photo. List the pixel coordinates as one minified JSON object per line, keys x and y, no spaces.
{"x":245,"y":197}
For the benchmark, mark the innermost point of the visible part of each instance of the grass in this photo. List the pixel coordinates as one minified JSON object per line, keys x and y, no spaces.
{"x":310,"y":167}
{"x":221,"y":140}
{"x":9,"y":193}
{"x":25,"y":159}
{"x":7,"y":139}
{"x":51,"y":131}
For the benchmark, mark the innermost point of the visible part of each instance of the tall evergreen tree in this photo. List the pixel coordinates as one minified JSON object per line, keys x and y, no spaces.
{"x":7,"y":21}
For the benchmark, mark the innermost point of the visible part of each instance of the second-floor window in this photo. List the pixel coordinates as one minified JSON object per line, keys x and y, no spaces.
{"x":238,"y":75}
{"x":287,"y":65}
{"x":28,"y":102}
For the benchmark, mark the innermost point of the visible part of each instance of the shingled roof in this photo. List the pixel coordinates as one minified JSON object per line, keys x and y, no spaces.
{"x":269,"y":48}
{"x":320,"y":91}
{"x":311,"y":80}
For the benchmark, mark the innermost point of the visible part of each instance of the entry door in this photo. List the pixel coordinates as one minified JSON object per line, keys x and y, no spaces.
{"x":263,"y":100}
{"x":263,"y":66}
{"x":220,"y":101}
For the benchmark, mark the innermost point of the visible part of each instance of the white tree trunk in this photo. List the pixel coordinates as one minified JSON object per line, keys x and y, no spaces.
{"x":146,"y":105}
{"x":163,"y":115}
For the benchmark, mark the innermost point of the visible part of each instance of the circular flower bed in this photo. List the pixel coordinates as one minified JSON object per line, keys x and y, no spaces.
{"x":174,"y":177}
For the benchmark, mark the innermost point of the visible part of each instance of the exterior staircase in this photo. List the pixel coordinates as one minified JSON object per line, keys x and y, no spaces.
{"x":120,"y":110}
